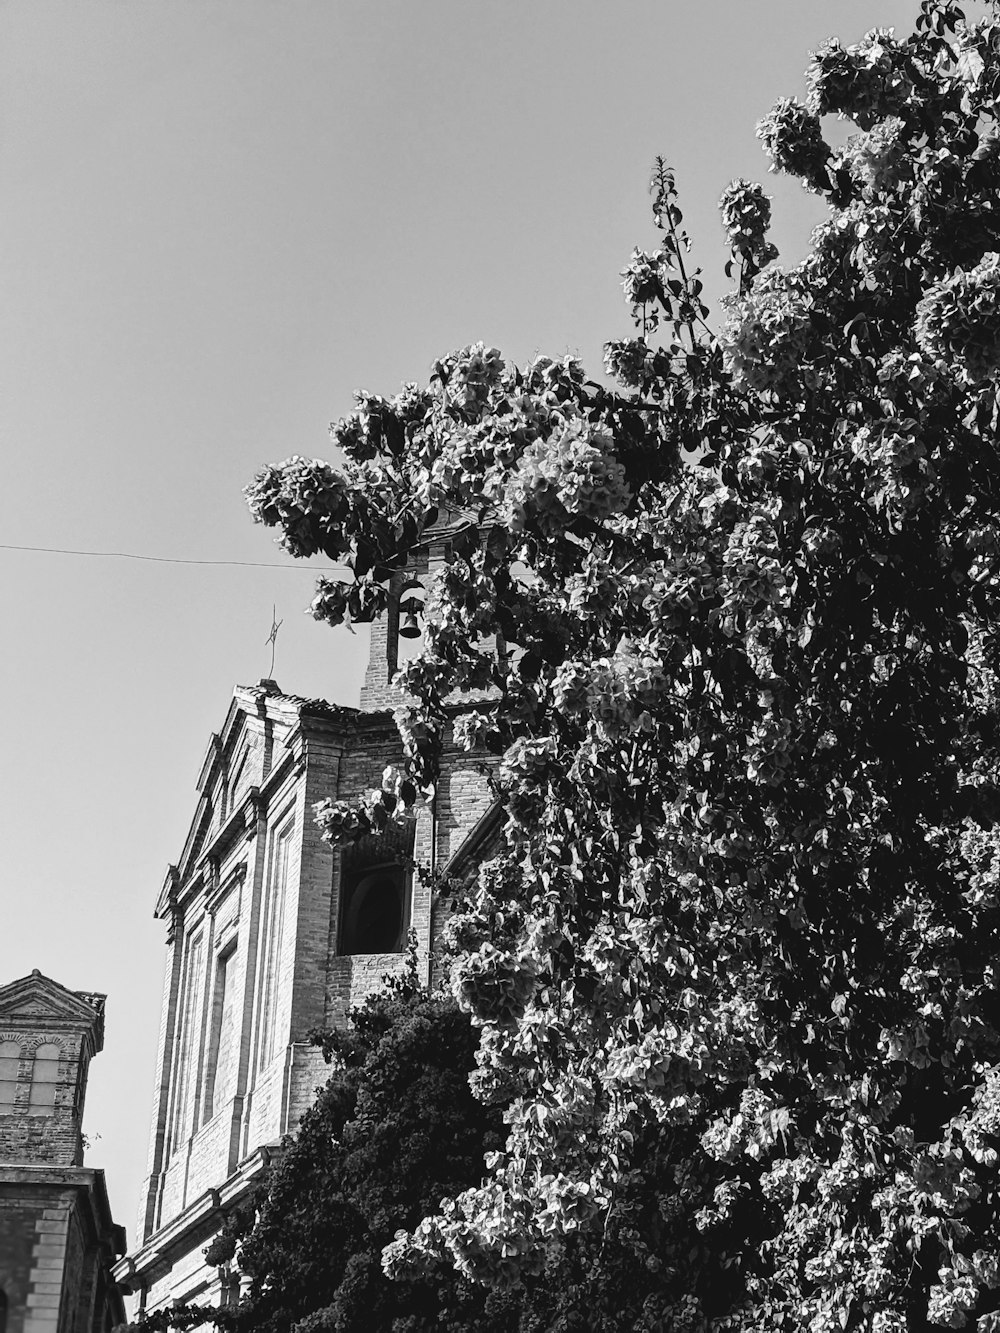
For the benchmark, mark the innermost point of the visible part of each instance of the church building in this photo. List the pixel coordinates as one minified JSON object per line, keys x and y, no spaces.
{"x":270,"y":935}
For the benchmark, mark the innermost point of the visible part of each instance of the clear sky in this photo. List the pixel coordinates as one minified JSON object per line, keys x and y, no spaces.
{"x":218,"y":218}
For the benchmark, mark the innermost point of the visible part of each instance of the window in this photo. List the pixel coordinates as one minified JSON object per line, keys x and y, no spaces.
{"x":186,"y":1047}
{"x":219,"y":1028}
{"x":3,"y":1309}
{"x":374,"y":911}
{"x":44,"y":1078}
{"x":374,"y":891}
{"x":10,"y":1063}
{"x":237,"y":783}
{"x":272,"y":938}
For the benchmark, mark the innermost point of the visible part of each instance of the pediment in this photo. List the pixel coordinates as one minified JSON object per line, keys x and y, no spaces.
{"x":480,"y":844}
{"x":231,"y":767}
{"x":39,"y":998}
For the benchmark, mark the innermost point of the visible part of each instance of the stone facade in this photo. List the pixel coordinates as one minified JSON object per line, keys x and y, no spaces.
{"x":57,"y":1239}
{"x":270,"y":935}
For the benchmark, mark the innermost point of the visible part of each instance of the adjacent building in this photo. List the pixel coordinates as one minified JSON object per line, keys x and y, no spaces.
{"x":57,"y":1240}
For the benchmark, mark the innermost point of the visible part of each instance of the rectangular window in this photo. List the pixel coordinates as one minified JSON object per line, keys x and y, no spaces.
{"x":272,"y":938}
{"x":374,"y":914}
{"x":44,"y":1079}
{"x":186,"y":1047}
{"x":10,"y":1064}
{"x":220,"y":1025}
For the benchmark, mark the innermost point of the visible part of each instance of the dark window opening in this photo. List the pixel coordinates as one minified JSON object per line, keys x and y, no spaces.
{"x":374,"y":911}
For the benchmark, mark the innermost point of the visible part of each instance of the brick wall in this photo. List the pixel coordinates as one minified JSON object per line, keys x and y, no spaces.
{"x":56,"y":1239}
{"x":18,"y":1215}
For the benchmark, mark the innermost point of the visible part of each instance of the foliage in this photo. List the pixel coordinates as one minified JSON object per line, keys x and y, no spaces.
{"x":393,"y":1130}
{"x":737,"y":967}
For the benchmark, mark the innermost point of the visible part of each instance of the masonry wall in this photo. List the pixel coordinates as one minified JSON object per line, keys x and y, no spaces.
{"x":19,"y":1213}
{"x":54,"y":1136}
{"x":52,"y":1264}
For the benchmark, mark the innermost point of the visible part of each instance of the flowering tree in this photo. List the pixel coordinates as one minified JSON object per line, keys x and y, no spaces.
{"x":736,"y":971}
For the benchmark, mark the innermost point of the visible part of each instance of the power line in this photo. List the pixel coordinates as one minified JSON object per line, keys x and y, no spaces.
{"x":174,"y":560}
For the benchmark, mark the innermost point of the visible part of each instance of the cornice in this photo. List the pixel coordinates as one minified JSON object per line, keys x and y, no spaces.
{"x":180,"y":1235}
{"x":86,"y":1180}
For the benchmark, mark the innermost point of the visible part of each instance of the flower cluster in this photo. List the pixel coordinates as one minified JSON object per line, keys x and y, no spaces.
{"x":958,"y":320}
{"x":629,"y":361}
{"x":878,"y":161}
{"x":344,"y":821}
{"x":753,"y":573}
{"x":749,"y":1131}
{"x":470,"y":374}
{"x":889,"y":1321}
{"x":617,"y":692}
{"x":793,"y":140}
{"x":418,"y":734}
{"x":573,"y":473}
{"x":867,"y":81}
{"x":643,"y":278}
{"x":768,"y":334}
{"x":559,"y":376}
{"x":789,"y":1176}
{"x":308,"y":500}
{"x":489,"y":1234}
{"x":897,"y":470}
{"x":771,"y":752}
{"x":494,"y":985}
{"x":471,"y":729}
{"x":528,"y":760}
{"x":952,"y":1298}
{"x":746,"y":216}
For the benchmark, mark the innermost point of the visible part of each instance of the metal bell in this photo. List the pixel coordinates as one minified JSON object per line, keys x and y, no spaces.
{"x":409,"y":627}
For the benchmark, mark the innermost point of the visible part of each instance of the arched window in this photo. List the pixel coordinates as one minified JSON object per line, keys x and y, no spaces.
{"x":10,"y":1062}
{"x":44,"y":1077}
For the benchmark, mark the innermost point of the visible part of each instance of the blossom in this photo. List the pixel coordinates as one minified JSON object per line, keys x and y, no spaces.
{"x":897,"y":471}
{"x":878,"y":159}
{"x":469,"y":375}
{"x":643,"y":277}
{"x":307,"y":499}
{"x":794,"y":142}
{"x":573,"y":473}
{"x":768,"y":333}
{"x":867,"y":81}
{"x":494,"y":984}
{"x":746,"y":216}
{"x":628,"y":361}
{"x":958,"y":320}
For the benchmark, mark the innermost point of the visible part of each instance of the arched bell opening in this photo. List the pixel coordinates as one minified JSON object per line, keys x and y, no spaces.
{"x":407,"y":626}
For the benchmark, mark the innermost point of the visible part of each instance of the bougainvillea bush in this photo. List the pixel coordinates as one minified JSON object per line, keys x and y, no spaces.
{"x":738,"y":965}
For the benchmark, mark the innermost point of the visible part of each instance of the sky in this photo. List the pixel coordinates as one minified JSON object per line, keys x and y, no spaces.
{"x":218,"y":219}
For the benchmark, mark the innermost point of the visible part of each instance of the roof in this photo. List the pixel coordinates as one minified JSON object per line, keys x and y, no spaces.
{"x":36,"y":1000}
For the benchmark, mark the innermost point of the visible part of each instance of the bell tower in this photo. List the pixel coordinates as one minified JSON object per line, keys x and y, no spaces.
{"x":57,"y":1239}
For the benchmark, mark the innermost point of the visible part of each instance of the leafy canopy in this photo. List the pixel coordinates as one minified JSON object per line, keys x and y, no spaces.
{"x":738,"y":959}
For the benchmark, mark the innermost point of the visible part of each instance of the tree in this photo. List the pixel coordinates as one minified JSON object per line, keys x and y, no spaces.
{"x":393,"y":1130}
{"x":737,"y":965}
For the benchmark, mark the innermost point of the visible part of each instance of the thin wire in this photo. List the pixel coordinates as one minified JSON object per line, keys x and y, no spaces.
{"x":171,"y":560}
